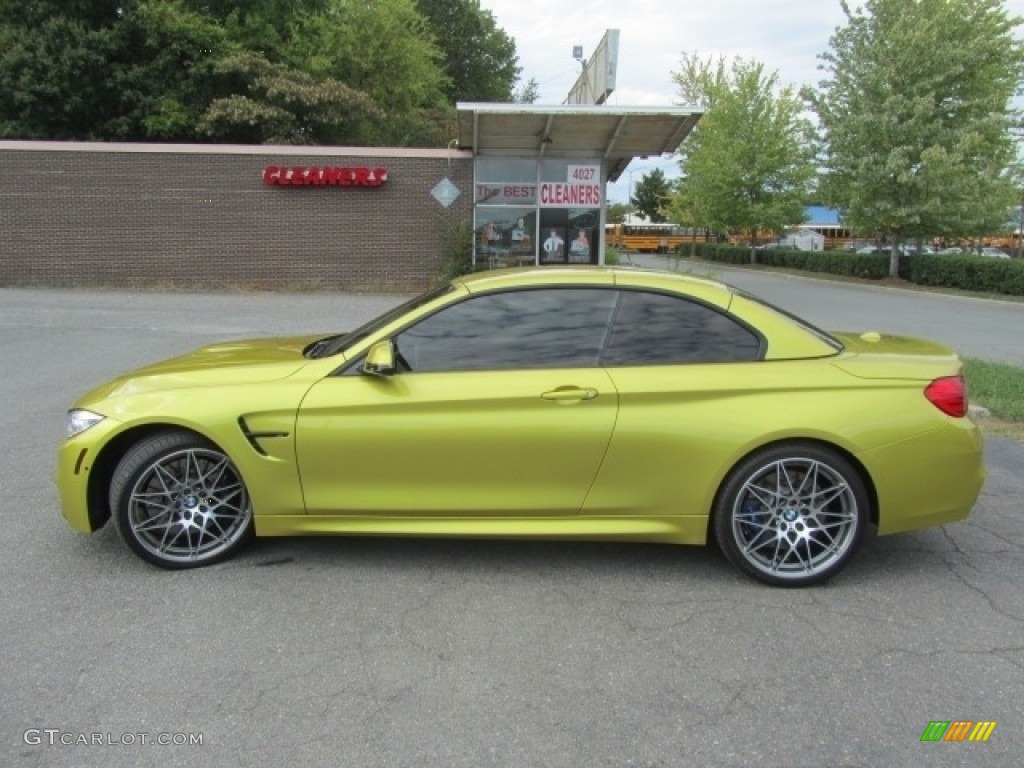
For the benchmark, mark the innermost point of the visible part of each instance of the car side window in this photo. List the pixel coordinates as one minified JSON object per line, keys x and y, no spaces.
{"x":659,"y":329}
{"x":541,"y":328}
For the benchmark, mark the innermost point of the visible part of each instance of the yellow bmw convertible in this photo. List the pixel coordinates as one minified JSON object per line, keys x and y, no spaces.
{"x":583,"y":403}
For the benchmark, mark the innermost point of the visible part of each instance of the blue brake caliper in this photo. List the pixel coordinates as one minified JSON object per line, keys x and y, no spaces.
{"x":755,"y":517}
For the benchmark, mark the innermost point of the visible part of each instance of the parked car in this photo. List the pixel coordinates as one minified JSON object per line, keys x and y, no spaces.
{"x":911,"y":249}
{"x":906,"y":249}
{"x":559,"y":403}
{"x":994,"y":253}
{"x":856,"y":245}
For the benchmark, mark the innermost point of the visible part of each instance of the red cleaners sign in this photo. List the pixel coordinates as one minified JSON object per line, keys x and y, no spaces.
{"x":314,"y":176}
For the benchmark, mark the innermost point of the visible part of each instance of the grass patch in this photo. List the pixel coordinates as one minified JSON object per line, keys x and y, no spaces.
{"x":999,"y":387}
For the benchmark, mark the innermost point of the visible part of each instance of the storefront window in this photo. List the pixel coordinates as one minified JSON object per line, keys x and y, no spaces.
{"x":506,"y":236}
{"x":512,"y":169}
{"x":530,"y":211}
{"x":553,"y":169}
{"x":584,"y":224}
{"x":554,"y":225}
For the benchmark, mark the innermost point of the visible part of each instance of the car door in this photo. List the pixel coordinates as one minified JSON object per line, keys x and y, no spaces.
{"x":498,"y":407}
{"x":684,"y":372}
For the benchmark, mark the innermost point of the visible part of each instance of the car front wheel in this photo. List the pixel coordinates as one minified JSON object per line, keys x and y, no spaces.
{"x":792,"y":515}
{"x":179,"y":502}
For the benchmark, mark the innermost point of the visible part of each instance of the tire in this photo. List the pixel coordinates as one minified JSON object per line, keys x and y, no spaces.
{"x":179,"y":502}
{"x":792,"y":515}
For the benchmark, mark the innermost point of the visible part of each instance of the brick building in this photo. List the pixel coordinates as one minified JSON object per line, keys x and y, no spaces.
{"x":530,"y":181}
{"x":201,"y":216}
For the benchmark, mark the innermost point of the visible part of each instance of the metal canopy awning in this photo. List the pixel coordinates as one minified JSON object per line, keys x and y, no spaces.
{"x":616,"y":134}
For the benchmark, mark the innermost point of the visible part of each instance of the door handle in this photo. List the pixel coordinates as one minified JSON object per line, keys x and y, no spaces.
{"x":570,"y":394}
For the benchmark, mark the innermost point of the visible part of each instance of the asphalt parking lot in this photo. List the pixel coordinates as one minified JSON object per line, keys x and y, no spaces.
{"x":358,"y":652}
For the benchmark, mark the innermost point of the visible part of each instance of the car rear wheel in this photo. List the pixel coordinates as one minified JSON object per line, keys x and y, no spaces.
{"x":179,"y":502}
{"x":792,"y":515}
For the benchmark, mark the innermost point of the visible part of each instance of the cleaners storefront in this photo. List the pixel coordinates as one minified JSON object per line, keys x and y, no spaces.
{"x":540,"y":174}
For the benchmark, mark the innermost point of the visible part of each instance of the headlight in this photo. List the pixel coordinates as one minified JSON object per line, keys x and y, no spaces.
{"x":80,"y":420}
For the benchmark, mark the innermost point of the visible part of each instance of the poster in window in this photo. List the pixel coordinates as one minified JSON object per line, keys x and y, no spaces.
{"x":553,"y":247}
{"x":583,"y":224}
{"x":554,"y":233}
{"x":521,"y":237}
{"x":505,"y":236}
{"x":580,"y":247}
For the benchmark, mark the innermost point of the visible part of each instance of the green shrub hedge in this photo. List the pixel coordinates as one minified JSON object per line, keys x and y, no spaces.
{"x":970,"y":273}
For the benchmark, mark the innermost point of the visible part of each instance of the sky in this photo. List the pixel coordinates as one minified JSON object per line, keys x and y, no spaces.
{"x":786,"y":35}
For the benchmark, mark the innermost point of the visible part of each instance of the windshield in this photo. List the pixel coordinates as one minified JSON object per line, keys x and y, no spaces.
{"x":332,"y":345}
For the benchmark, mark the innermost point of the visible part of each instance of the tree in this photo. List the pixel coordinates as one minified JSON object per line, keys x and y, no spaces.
{"x":92,"y":14}
{"x":748,"y":166}
{"x":99,"y":71}
{"x":109,"y":70}
{"x":527,"y":93}
{"x":686,"y":207}
{"x":281,"y":105}
{"x":52,"y":66}
{"x":916,"y":118}
{"x":479,"y":58}
{"x":381,"y":48}
{"x":261,"y":26}
{"x":617,"y":212}
{"x":300,"y":71}
{"x":651,"y":194}
{"x":163,"y":68}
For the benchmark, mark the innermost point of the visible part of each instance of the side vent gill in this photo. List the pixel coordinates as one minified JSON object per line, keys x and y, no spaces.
{"x":254,"y":438}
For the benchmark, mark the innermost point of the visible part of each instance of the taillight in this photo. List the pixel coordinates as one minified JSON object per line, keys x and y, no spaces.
{"x":949,"y":395}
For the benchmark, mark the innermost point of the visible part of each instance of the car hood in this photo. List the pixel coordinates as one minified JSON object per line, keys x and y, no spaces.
{"x":234,"y":362}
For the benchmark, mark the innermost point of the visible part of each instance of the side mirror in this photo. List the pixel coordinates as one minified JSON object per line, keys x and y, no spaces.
{"x":380,"y":360}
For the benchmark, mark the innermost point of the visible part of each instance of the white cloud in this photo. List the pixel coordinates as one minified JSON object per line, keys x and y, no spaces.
{"x":786,"y":35}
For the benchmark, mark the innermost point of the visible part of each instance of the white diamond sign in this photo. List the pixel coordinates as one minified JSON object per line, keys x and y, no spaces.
{"x":445,"y":192}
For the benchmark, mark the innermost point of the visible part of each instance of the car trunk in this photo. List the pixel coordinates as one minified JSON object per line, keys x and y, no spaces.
{"x":874,"y":355}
